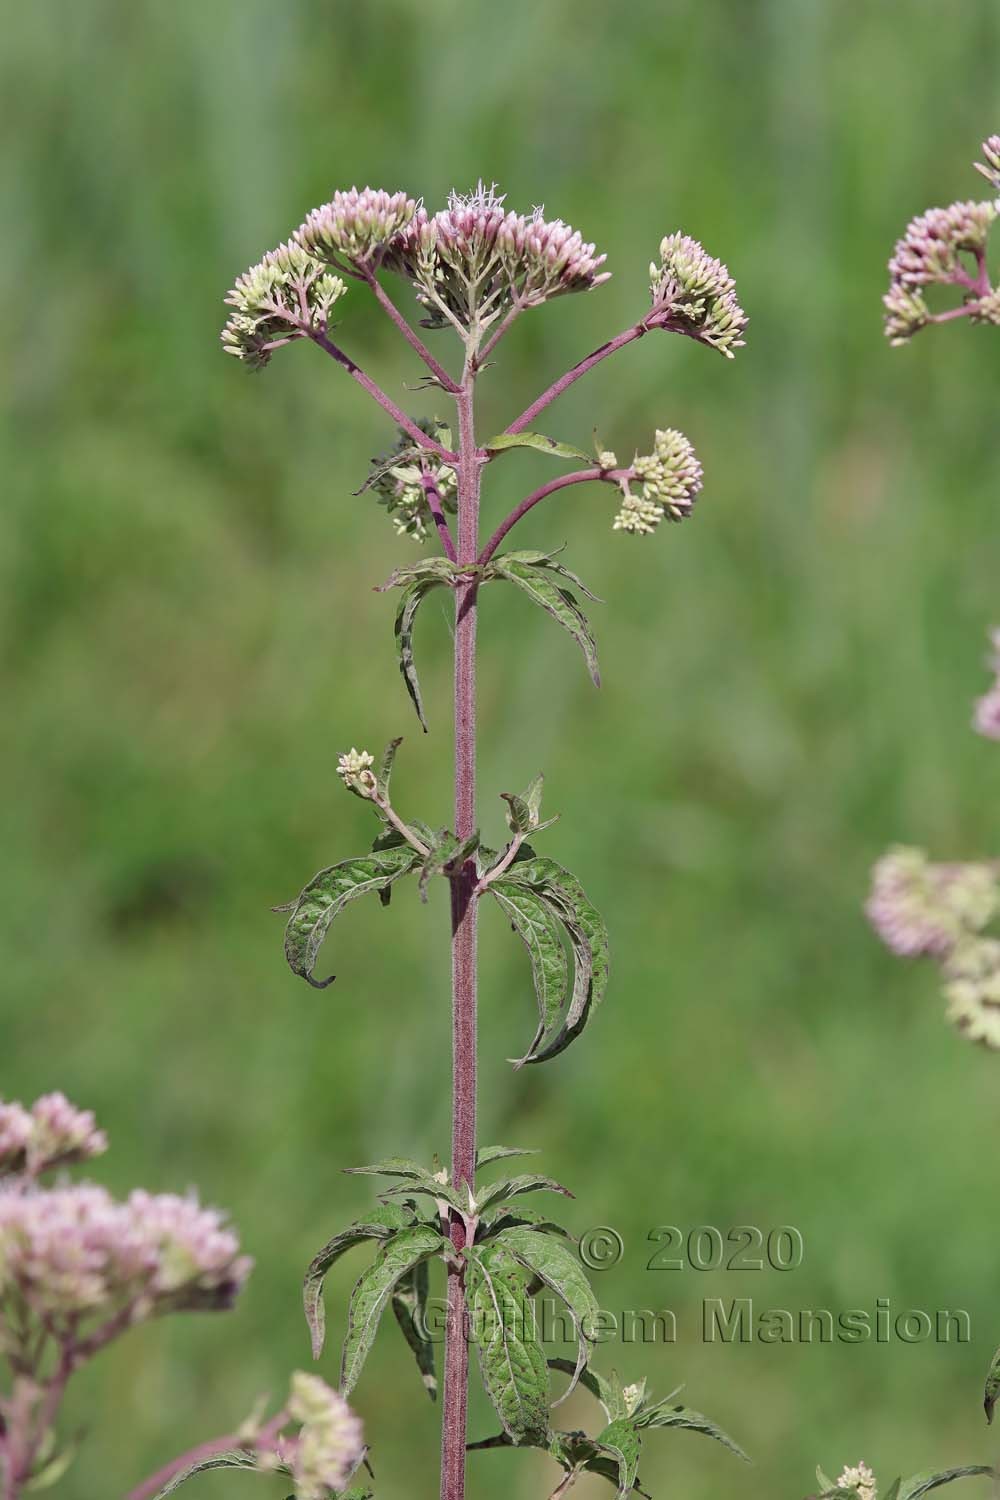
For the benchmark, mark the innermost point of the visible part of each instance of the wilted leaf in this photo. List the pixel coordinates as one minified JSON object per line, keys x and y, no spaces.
{"x":232,"y":1460}
{"x":409,"y":1303}
{"x":326,"y":895}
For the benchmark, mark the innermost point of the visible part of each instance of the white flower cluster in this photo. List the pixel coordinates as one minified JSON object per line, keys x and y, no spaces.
{"x":330,"y":1445}
{"x":273,"y":299}
{"x":860,"y":1479}
{"x":354,"y":770}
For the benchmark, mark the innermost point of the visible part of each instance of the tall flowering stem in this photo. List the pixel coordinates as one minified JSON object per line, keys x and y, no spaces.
{"x":475,"y":267}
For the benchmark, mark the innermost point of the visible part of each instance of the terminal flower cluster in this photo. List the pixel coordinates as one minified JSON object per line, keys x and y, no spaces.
{"x":944,"y":247}
{"x":694,"y":294}
{"x":52,"y":1133}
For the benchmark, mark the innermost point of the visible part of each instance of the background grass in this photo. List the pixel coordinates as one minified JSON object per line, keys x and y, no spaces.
{"x":189,"y":639}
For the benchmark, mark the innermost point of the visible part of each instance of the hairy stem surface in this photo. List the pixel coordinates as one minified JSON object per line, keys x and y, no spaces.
{"x":463,"y":950}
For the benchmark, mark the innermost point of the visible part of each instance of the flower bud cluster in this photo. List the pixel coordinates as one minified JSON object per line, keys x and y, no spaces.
{"x":354,"y":770}
{"x":286,"y":291}
{"x":355,"y":227}
{"x":859,"y":1479}
{"x":401,"y":486}
{"x":52,"y":1133}
{"x":694,"y":294}
{"x":474,"y":259}
{"x":990,"y":165}
{"x":924,"y":909}
{"x":73,"y":1251}
{"x":671,"y":479}
{"x":972,"y":989}
{"x":330,"y":1445}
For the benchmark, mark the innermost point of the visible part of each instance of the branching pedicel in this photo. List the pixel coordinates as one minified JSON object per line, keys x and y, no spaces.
{"x":475,"y":267}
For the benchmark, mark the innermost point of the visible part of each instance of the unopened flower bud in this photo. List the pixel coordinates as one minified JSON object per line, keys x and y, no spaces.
{"x":274,"y":299}
{"x":354,"y":770}
{"x":906,"y":313}
{"x":695,"y":294}
{"x":861,"y":1480}
{"x":972,"y":990}
{"x":921,"y":908}
{"x":607,"y":460}
{"x":990,"y":165}
{"x":356,"y":226}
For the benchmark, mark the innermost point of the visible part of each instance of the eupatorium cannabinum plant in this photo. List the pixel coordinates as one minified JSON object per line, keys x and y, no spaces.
{"x":474,"y":268}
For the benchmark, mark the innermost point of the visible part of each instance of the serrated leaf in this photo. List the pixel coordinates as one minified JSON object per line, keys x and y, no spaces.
{"x":513,"y":1187}
{"x":537,"y":441}
{"x":621,"y":1440}
{"x":518,"y":813}
{"x":510,"y":1354}
{"x":606,"y":1392}
{"x":548,"y":560}
{"x":565,"y":897}
{"x":381,"y":1224}
{"x":921,"y":1484}
{"x":232,"y":1460}
{"x":561,"y":1273}
{"x":409,"y":1303}
{"x":415,"y":1179}
{"x":374,"y":1289}
{"x":487,"y":1154}
{"x":324,"y":898}
{"x":991,"y":1394}
{"x":537,"y":927}
{"x":495,"y":1221}
{"x":691,"y":1421}
{"x":558,"y":602}
{"x":424,"y":570}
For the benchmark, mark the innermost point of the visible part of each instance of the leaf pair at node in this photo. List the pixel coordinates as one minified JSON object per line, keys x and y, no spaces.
{"x":545,"y":582}
{"x":614,"y":1452}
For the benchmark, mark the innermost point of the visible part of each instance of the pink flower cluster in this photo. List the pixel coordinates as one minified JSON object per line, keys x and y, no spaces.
{"x":354,"y":227}
{"x":919,"y":908}
{"x":52,"y":1133}
{"x":72,"y":1251}
{"x":986,"y":718}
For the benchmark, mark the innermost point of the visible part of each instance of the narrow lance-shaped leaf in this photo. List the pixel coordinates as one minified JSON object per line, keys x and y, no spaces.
{"x":232,"y":1460}
{"x":558,"y":602}
{"x":691,"y":1421}
{"x":374,"y":1289}
{"x":605,"y":1391}
{"x":413,"y":597}
{"x":487,"y":1154}
{"x":494,"y":1221}
{"x":381,"y":1224}
{"x":537,"y":441}
{"x":566,"y":899}
{"x":548,"y":560}
{"x":561,"y":1273}
{"x":512,"y":1187}
{"x":621,"y":1440}
{"x":536,"y":926}
{"x":921,"y":1484}
{"x":409,"y":1303}
{"x":324,"y":898}
{"x":992,"y":1392}
{"x":510,"y":1354}
{"x":414,"y":1179}
{"x":385,"y":769}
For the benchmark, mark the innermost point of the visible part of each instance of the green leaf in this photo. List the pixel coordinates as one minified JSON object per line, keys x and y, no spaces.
{"x":415,"y":1179}
{"x":326,"y":895}
{"x":510,"y":1354}
{"x":535,"y":924}
{"x":385,"y":769}
{"x":425,"y":569}
{"x":487,"y":1154}
{"x":621,"y":1440}
{"x":992,"y":1391}
{"x":495,"y":1221}
{"x":374,"y":1289}
{"x":607,"y":1393}
{"x":538,"y":441}
{"x":446,"y":850}
{"x":548,"y":560}
{"x":561,"y":1273}
{"x":381,"y":1224}
{"x":920,"y":1484}
{"x":406,"y":613}
{"x":512,"y":1187}
{"x":892,"y":1493}
{"x":691,"y":1421}
{"x":558,"y":602}
{"x":409,"y":1303}
{"x":232,"y":1460}
{"x":566,"y":899}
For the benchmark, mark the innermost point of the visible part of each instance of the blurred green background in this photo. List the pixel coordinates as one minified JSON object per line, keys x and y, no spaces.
{"x":190,"y":637}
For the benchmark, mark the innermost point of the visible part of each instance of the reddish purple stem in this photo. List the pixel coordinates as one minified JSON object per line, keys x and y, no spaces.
{"x":437,"y":511}
{"x":565,"y":381}
{"x":378,"y":394}
{"x":579,"y":476}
